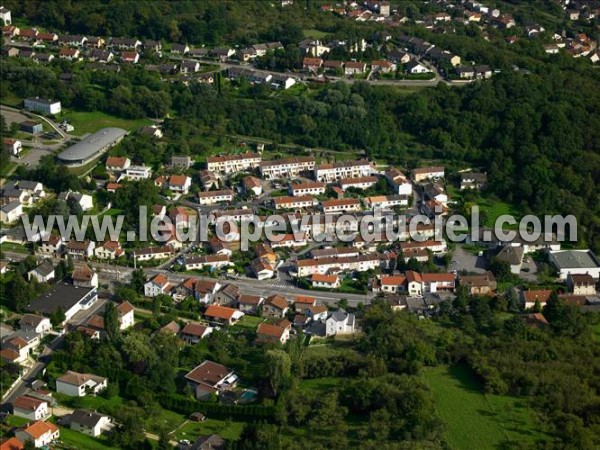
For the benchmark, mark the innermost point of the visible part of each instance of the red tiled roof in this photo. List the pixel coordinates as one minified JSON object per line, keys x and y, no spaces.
{"x":324,"y":278}
{"x":12,"y":444}
{"x":542,"y":295}
{"x":40,"y":428}
{"x":277,"y":301}
{"x":219,"y":312}
{"x":266,"y":329}
{"x":29,"y":403}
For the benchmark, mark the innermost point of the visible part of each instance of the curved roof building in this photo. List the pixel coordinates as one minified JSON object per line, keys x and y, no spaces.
{"x":92,"y":146}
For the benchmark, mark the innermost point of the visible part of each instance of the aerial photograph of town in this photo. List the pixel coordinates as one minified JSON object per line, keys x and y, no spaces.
{"x":300,"y":224}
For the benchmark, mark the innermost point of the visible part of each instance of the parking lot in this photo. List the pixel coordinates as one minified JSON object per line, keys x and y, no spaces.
{"x":464,"y":260}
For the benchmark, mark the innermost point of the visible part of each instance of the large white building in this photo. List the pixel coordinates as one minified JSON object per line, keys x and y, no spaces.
{"x":287,"y":167}
{"x":346,"y":169}
{"x":43,"y":106}
{"x":233,"y":163}
{"x":575,"y":262}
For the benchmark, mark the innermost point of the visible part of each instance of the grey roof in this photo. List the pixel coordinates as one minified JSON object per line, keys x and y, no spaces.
{"x":11,"y":206}
{"x":61,"y":295}
{"x":42,"y":101}
{"x":511,"y":255}
{"x":26,"y":184}
{"x":44,"y":269}
{"x":92,"y":144}
{"x":88,"y":419}
{"x":573,"y":259}
{"x":339,"y":315}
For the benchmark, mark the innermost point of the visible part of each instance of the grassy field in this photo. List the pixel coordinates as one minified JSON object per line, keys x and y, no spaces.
{"x":226,"y":429}
{"x":321,"y":385}
{"x":73,"y":439}
{"x":314,"y":34}
{"x":475,"y":420}
{"x":90,"y":122}
{"x":495,"y":208}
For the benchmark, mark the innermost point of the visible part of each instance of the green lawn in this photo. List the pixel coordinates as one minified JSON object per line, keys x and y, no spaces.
{"x":13,"y":247}
{"x":226,"y":429}
{"x":314,"y":34}
{"x":112,"y":212}
{"x":73,"y":439}
{"x":248,"y":322}
{"x":90,"y":122}
{"x":89,"y":402}
{"x":495,"y":208}
{"x":474,"y":420}
{"x":321,"y":385}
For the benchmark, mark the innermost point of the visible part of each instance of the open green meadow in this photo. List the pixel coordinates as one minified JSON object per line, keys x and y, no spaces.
{"x":475,"y":420}
{"x":90,"y":122}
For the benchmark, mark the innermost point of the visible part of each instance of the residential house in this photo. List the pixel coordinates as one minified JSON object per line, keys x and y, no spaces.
{"x":130,"y":57}
{"x":43,"y":273}
{"x":286,"y":167}
{"x":347,"y":169}
{"x":249,"y":304}
{"x":181,"y":162}
{"x":125,"y":43}
{"x":126,"y":315}
{"x":333,"y":66}
{"x":228,"y":295}
{"x":316,"y":312}
{"x":69,"y":54}
{"x":210,"y":378}
{"x":233,"y":163}
{"x":52,"y":245}
{"x":42,"y":434}
{"x":222,"y":314}
{"x":213,"y":197}
{"x":312,"y":64}
{"x":151,"y":131}
{"x":14,"y":146}
{"x":386,"y":201}
{"x":274,"y":332}
{"x":284,"y":202}
{"x":341,"y":205}
{"x":35,"y":324}
{"x":30,"y":408}
{"x":90,"y":422}
{"x":581,"y":284}
{"x":383,"y":66}
{"x":427,"y":173}
{"x":275,"y":306}
{"x":513,"y":256}
{"x":339,"y":322}
{"x":398,"y":181}
{"x":179,"y":184}
{"x":196,"y":262}
{"x":188,"y":66}
{"x":482,"y":284}
{"x":262,"y":268}
{"x":252,"y":185}
{"x":158,"y":284}
{"x":179,"y":48}
{"x":109,"y":250}
{"x":75,"y":384}
{"x":325,"y":281}
{"x":284,"y":82}
{"x":354,"y":68}
{"x":541,"y":296}
{"x":5,"y":15}
{"x":10,"y":212}
{"x":301,"y":302}
{"x":80,"y":249}
{"x":117,"y":163}
{"x":85,"y":276}
{"x":150,"y":253}
{"x":358,"y":182}
{"x":416,"y":68}
{"x":473,"y":180}
{"x":307,"y":267}
{"x":193,"y":333}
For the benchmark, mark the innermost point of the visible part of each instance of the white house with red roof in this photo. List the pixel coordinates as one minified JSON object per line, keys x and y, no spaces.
{"x":14,"y":146}
{"x":108,"y":250}
{"x":159,"y":284}
{"x":40,"y":433}
{"x":31,"y":408}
